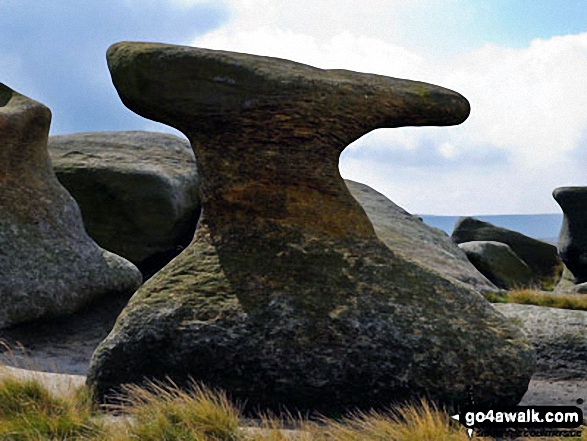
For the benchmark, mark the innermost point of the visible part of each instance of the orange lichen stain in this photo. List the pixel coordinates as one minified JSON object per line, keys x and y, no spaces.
{"x":301,"y":207}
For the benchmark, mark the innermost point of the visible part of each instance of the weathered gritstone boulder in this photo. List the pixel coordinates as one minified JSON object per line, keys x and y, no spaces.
{"x":285,"y":297}
{"x":498,"y":263}
{"x":559,"y":336}
{"x":572,"y":240}
{"x":541,"y":257}
{"x":417,"y":242}
{"x":48,"y":264}
{"x":138,"y":191}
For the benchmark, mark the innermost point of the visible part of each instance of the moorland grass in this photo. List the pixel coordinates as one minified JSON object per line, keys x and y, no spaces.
{"x":539,"y":298}
{"x":418,"y":422}
{"x":162,"y":412}
{"x":28,"y":411}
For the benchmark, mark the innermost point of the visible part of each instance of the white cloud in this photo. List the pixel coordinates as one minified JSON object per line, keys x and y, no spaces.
{"x":528,"y":106}
{"x":345,"y":50}
{"x":530,"y":100}
{"x":447,"y":150}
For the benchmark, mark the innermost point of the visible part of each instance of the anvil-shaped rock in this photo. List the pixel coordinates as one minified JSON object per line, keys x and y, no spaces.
{"x":285,"y":297}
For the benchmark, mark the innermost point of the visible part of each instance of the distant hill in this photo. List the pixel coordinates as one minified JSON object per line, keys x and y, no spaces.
{"x":539,"y":226}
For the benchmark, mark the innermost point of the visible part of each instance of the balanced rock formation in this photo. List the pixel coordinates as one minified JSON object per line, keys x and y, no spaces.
{"x":498,"y":263}
{"x":286,"y":297}
{"x":559,"y":336}
{"x":572,"y":240}
{"x":413,"y":240}
{"x":49,"y":266}
{"x":541,"y":257}
{"x":138,"y":191}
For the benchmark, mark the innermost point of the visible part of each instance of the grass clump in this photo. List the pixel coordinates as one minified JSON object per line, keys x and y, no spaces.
{"x":29,"y":412}
{"x":534,"y":297}
{"x":165,"y":412}
{"x":421,"y":422}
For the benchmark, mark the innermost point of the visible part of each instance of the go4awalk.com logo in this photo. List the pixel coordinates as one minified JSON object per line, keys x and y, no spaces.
{"x":522,"y":421}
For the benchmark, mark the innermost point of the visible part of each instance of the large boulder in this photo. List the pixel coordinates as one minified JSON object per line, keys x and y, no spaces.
{"x":541,"y":257}
{"x":572,"y":240}
{"x":559,"y":336}
{"x":286,"y":297}
{"x":49,"y":266}
{"x":413,"y":240}
{"x":138,"y":191}
{"x":498,"y":263}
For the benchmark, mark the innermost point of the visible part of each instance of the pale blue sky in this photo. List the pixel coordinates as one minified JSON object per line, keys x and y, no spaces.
{"x":54,"y":51}
{"x":521,"y":64}
{"x":456,"y":25}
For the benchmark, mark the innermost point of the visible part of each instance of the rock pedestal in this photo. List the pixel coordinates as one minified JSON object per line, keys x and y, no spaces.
{"x":286,"y":297}
{"x":48,"y":264}
{"x":572,"y":239}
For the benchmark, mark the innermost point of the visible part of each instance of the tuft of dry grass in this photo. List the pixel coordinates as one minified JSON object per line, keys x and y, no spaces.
{"x":413,"y":422}
{"x":535,"y":297}
{"x":162,"y":411}
{"x":28,"y":411}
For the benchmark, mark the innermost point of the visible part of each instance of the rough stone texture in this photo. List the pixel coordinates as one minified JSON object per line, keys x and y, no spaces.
{"x":572,"y":240}
{"x":138,"y":191}
{"x":48,"y":264}
{"x":559,"y":336}
{"x":417,"y":242}
{"x":548,"y":392}
{"x":542,"y":258}
{"x":286,"y":297}
{"x":498,"y":263}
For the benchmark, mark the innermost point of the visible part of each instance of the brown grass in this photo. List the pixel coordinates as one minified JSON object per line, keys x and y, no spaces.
{"x":162,"y":412}
{"x":540,"y":298}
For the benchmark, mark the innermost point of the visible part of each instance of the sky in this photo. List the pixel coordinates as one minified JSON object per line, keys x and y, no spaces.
{"x":521,"y":64}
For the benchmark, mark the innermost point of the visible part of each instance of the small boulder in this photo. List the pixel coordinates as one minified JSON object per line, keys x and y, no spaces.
{"x":541,"y":257}
{"x":497,"y":262}
{"x":49,"y":266}
{"x":417,"y":242}
{"x":559,"y":336}
{"x":138,"y":191}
